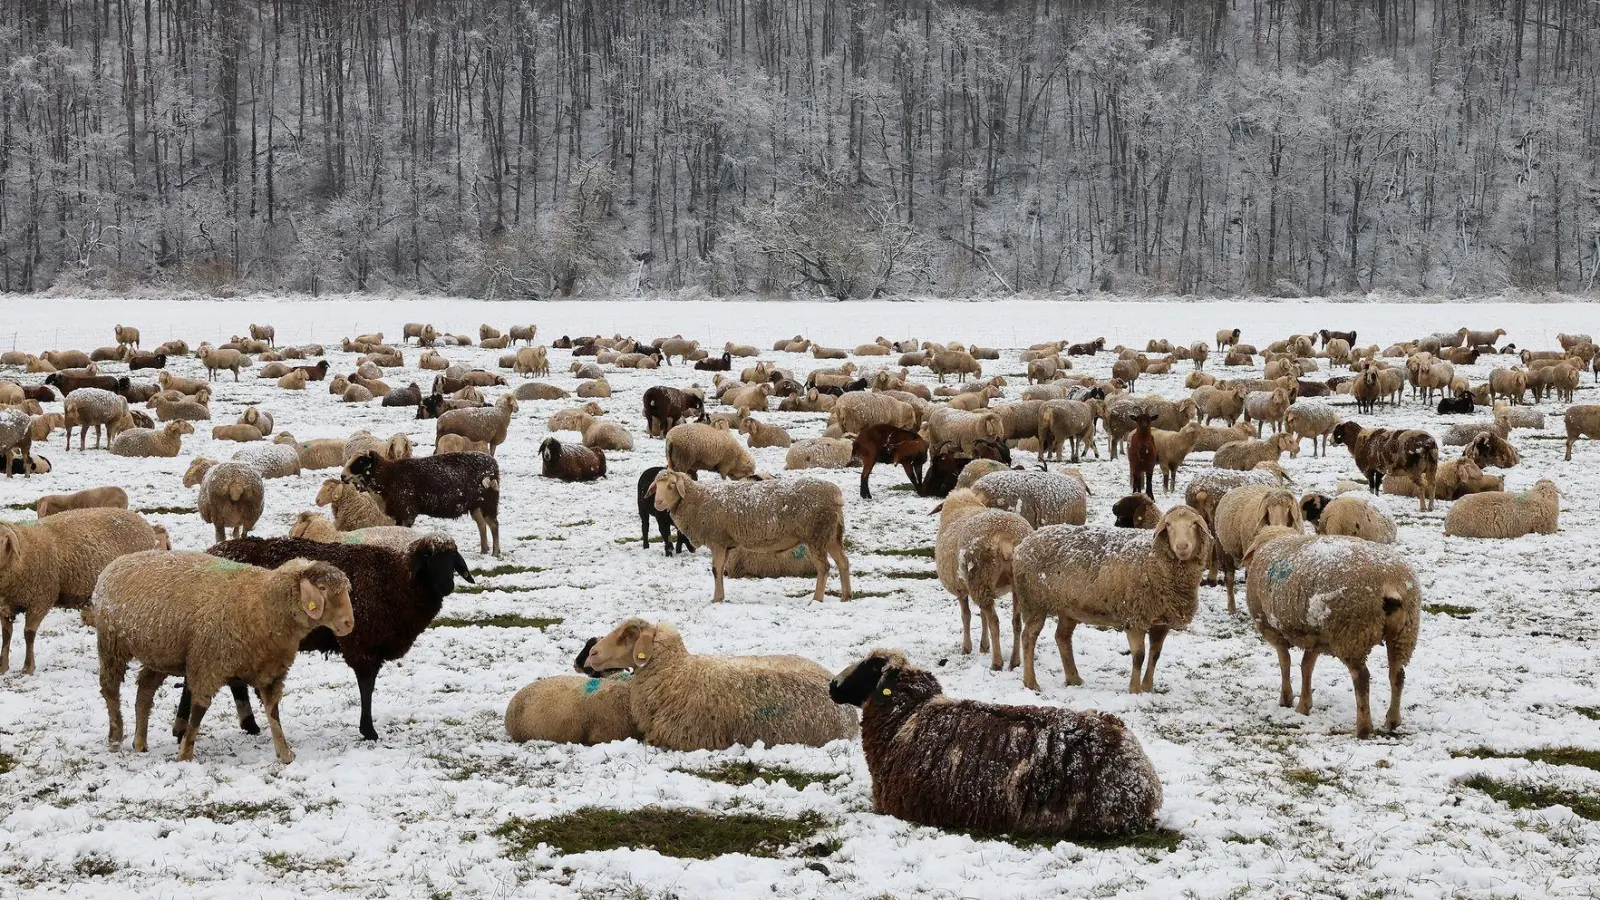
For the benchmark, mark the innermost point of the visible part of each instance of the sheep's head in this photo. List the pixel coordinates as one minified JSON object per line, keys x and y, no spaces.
{"x":1312,"y":505}
{"x":1136,"y":511}
{"x":670,"y":487}
{"x":631,"y":645}
{"x":1346,"y":432}
{"x":179,"y":427}
{"x":363,"y":467}
{"x":197,"y":471}
{"x":868,"y":679}
{"x":1289,"y":442}
{"x":435,"y":562}
{"x":1184,"y":534}
{"x":325,"y":596}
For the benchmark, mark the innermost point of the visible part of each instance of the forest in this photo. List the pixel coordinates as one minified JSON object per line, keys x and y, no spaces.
{"x":818,"y":148}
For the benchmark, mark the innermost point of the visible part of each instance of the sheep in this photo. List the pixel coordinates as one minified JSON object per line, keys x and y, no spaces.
{"x":1460,"y":403}
{"x":91,"y":406}
{"x":1509,"y":417}
{"x":126,"y":335}
{"x":394,"y":595}
{"x":1351,"y":515}
{"x":66,"y":359}
{"x":1063,"y":421}
{"x":1500,"y":514}
{"x":1227,"y":338}
{"x":1211,"y":438}
{"x":535,"y":390}
{"x":1508,"y":383}
{"x":56,"y":561}
{"x":525,"y":333}
{"x":1144,"y":583}
{"x":1136,"y":511}
{"x":167,"y":443}
{"x":571,"y":462}
{"x":1385,"y":451}
{"x":1018,"y":770}
{"x":1308,"y":419}
{"x":762,"y":435}
{"x":1336,"y":595}
{"x":599,"y":387}
{"x":961,"y":429}
{"x":1582,"y":420}
{"x":16,"y":440}
{"x":573,"y":709}
{"x":1568,"y":341}
{"x":1240,"y":516}
{"x":1267,"y":407}
{"x":270,"y":460}
{"x":397,"y":447}
{"x":1246,"y":454}
{"x":455,"y":443}
{"x":1463,"y":433}
{"x":973,"y":556}
{"x":232,"y":495}
{"x":853,"y":412}
{"x":234,"y":623}
{"x":1119,"y":416}
{"x":264,"y":333}
{"x":686,"y":701}
{"x":217,"y":360}
{"x":692,"y":447}
{"x":92,"y":498}
{"x":607,"y":436}
{"x":1171,"y":449}
{"x":820,"y":453}
{"x":444,"y":487}
{"x":768,"y":516}
{"x":352,"y":509}
{"x":1041,"y":498}
{"x":1455,"y":479}
{"x":262,"y":421}
{"x":486,"y":424}
{"x":195,"y":410}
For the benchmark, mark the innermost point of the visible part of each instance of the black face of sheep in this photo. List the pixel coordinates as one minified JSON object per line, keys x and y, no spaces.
{"x":1312,"y":507}
{"x":549,"y":450}
{"x":648,"y":511}
{"x":1460,"y":403}
{"x":581,"y":664}
{"x":435,"y":568}
{"x":858,"y":682}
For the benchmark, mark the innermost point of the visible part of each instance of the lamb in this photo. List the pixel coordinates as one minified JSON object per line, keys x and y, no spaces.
{"x":235,"y":623}
{"x":167,"y":442}
{"x":685,"y":701}
{"x":1499,"y":514}
{"x":762,"y":435}
{"x":92,"y":406}
{"x":571,"y":462}
{"x":1385,"y":451}
{"x":444,"y":487}
{"x":973,"y":557}
{"x":1143,"y":583}
{"x":487,"y":424}
{"x":693,"y":447}
{"x":1018,"y":770}
{"x":1171,"y":449}
{"x":1136,"y":511}
{"x":126,"y":335}
{"x":1244,"y":455}
{"x":768,"y":516}
{"x":394,"y":595}
{"x":1241,"y":515}
{"x":648,"y":511}
{"x":352,"y":509}
{"x":1351,"y":515}
{"x":573,"y":709}
{"x":92,"y":498}
{"x":1061,"y":421}
{"x":56,"y":562}
{"x":820,"y":453}
{"x":1335,"y":595}
{"x":232,"y":495}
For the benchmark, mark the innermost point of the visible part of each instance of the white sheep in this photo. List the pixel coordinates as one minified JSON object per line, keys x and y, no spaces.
{"x":1500,"y":514}
{"x":973,"y":556}
{"x":1241,"y":515}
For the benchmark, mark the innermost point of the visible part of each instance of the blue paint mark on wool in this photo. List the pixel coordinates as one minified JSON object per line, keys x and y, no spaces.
{"x":591,"y":686}
{"x":1279,"y":572}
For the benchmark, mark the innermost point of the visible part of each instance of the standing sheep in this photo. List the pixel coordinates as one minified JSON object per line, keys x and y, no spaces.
{"x":1143,"y":583}
{"x":1335,"y":595}
{"x":692,"y":447}
{"x":232,"y":495}
{"x":1310,"y":419}
{"x":973,"y":557}
{"x":1387,"y":451}
{"x":352,"y":509}
{"x":487,"y":424}
{"x":1041,"y":498}
{"x":444,"y":487}
{"x":1241,"y":515}
{"x":92,"y":406}
{"x":211,"y":622}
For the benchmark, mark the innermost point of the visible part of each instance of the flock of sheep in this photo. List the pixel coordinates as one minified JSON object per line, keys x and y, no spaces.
{"x":1322,"y":573}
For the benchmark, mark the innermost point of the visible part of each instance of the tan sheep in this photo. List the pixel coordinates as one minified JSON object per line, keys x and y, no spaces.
{"x":352,"y":509}
{"x":573,"y":709}
{"x":759,"y":434}
{"x":488,"y":424}
{"x":211,"y":622}
{"x":692,"y":447}
{"x":294,"y":381}
{"x":237,"y":433}
{"x":961,"y":429}
{"x":92,"y":498}
{"x":607,"y":436}
{"x":147,"y":442}
{"x":1313,"y":420}
{"x":820,"y":453}
{"x":1351,"y":515}
{"x":56,"y":562}
{"x":578,"y":418}
{"x":397,"y":447}
{"x":973,"y":555}
{"x":599,"y":387}
{"x":1499,"y":514}
{"x":1582,"y":420}
{"x":1241,"y":515}
{"x":856,"y":410}
{"x":232,"y":495}
{"x":1172,"y":448}
{"x":455,"y":443}
{"x":321,"y":453}
{"x":1245,"y":455}
{"x":685,"y":701}
{"x":1064,"y":421}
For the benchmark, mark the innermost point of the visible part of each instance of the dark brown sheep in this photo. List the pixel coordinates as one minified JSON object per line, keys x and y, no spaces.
{"x":1142,"y":456}
{"x":1391,"y":451}
{"x":1136,"y":511}
{"x":571,"y":462}
{"x":665,"y":407}
{"x":444,"y":487}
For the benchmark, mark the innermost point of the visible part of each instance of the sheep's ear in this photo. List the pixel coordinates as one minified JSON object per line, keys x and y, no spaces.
{"x":312,"y":600}
{"x":461,"y":568}
{"x":937,"y":510}
{"x":644,"y":644}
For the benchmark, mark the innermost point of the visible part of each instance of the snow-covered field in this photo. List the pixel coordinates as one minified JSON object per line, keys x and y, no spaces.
{"x":1268,"y":803}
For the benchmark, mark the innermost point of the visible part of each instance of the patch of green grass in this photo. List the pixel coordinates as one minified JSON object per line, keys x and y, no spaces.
{"x":742,"y":772}
{"x":1449,"y":609}
{"x":1588,"y":712}
{"x":94,"y":865}
{"x":578,"y":524}
{"x":226,"y":813}
{"x":8,"y":762}
{"x":1555,"y":756}
{"x":288,"y":862}
{"x":1310,"y":779}
{"x":167,"y":510}
{"x":907,"y":487}
{"x":682,"y":833}
{"x":506,"y":569}
{"x":921,"y":552}
{"x":504,"y":620}
{"x":854,"y":595}
{"x":20,"y":506}
{"x":908,"y":573}
{"x":1163,"y":840}
{"x":1522,"y":795}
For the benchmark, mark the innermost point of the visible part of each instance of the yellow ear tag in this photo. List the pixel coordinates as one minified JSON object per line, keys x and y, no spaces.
{"x":311,"y":607}
{"x":886,"y":692}
{"x":641,"y":656}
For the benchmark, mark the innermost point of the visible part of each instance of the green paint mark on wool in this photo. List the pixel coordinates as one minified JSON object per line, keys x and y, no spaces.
{"x":347,"y":537}
{"x":591,"y":686}
{"x":225,"y":565}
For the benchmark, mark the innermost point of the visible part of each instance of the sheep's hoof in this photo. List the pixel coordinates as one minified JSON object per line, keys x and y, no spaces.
{"x":1072,"y":681}
{"x":249,"y":726}
{"x":286,"y":757}
{"x":179,"y":726}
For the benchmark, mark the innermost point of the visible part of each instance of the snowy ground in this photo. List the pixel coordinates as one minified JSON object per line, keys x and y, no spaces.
{"x":1269,"y":803}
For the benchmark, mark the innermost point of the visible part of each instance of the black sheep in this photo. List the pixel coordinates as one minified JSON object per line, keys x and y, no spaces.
{"x":1460,"y":403}
{"x":147,"y":361}
{"x":648,"y":511}
{"x":445,"y":487}
{"x":721,"y":363}
{"x":1312,"y":505}
{"x":1016,"y":770}
{"x":394,"y":595}
{"x":665,"y":407}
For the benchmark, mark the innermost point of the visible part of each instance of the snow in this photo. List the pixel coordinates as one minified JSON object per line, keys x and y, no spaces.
{"x":412,"y":814}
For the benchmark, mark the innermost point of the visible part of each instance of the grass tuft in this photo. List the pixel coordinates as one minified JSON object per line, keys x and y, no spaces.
{"x":1588,"y":712}
{"x":1163,"y":840}
{"x":20,"y":506}
{"x":682,"y":833}
{"x":908,"y":573}
{"x":742,"y":772}
{"x":506,"y":569}
{"x":920,"y":552}
{"x":504,"y":620}
{"x":1522,"y":795}
{"x":288,"y":862}
{"x":1555,"y":756}
{"x":95,"y":865}
{"x":168,"y":510}
{"x":1449,"y":609}
{"x":8,"y":762}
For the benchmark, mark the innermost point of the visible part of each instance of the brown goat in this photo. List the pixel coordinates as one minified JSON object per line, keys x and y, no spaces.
{"x":883,"y":443}
{"x":1142,"y":457}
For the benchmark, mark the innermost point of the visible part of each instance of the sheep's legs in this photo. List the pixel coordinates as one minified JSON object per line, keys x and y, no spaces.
{"x":821,"y":561}
{"x":197,"y":712}
{"x":866,"y":473}
{"x":1136,"y":647}
{"x":1397,"y":683}
{"x":366,"y":680}
{"x":1069,"y":662}
{"x":149,"y":682}
{"x":837,"y":552}
{"x":1027,"y":641}
{"x":1158,"y":636}
{"x":1016,"y":633}
{"x":111,"y":675}
{"x":1308,"y":662}
{"x":1363,"y":684}
{"x":991,"y":625}
{"x":1286,"y":691}
{"x":483,"y":533}
{"x":1228,"y":578}
{"x":719,"y":561}
{"x":270,"y":693}
{"x":984,"y":634}
{"x":966,"y":625}
{"x":644,"y":526}
{"x":7,"y":623}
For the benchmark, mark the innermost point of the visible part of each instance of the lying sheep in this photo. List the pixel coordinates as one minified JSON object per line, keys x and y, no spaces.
{"x":573,"y":709}
{"x":762,"y":435}
{"x":146,"y":442}
{"x":1136,"y":511}
{"x":1355,"y":516}
{"x":1334,"y":595}
{"x":578,"y":418}
{"x":686,"y":701}
{"x":571,"y":462}
{"x":16,"y":440}
{"x":1211,"y":438}
{"x":598,"y":387}
{"x":607,"y":436}
{"x":767,"y":516}
{"x":232,"y":495}
{"x":91,"y":498}
{"x":1455,"y":479}
{"x":322,"y":453}
{"x":961,"y":429}
{"x":1143,"y":583}
{"x":270,"y":460}
{"x":1247,"y":454}
{"x":820,"y":453}
{"x":973,"y":555}
{"x":692,"y":447}
{"x":1017,"y":770}
{"x":536,"y":390}
{"x":1499,"y":514}
{"x":56,"y":562}
{"x":1041,"y":498}
{"x":235,"y":623}
{"x":1241,"y":515}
